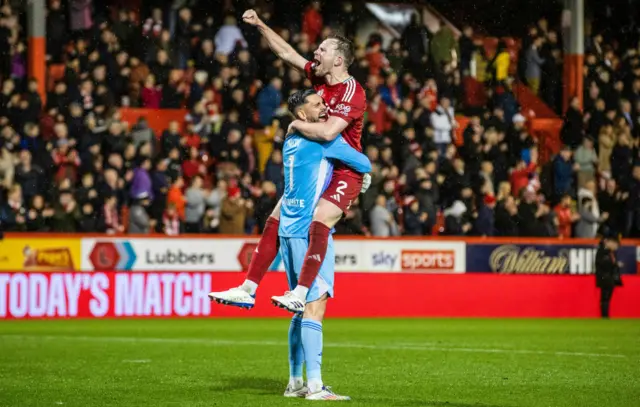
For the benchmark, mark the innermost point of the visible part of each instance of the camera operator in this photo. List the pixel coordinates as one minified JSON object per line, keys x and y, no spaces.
{"x":607,"y":272}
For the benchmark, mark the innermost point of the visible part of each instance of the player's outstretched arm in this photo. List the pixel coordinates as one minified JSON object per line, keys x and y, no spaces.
{"x":338,"y":149}
{"x":319,"y":131}
{"x":278,"y":45}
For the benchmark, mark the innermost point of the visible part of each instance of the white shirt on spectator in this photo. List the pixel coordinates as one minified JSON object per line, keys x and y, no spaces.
{"x":226,"y":39}
{"x":442,"y":124}
{"x":382,"y":222}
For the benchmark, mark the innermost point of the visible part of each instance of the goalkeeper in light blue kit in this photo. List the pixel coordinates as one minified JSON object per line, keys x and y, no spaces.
{"x":308,"y":169}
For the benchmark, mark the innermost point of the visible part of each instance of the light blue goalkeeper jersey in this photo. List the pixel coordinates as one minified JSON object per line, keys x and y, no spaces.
{"x":307,"y":173}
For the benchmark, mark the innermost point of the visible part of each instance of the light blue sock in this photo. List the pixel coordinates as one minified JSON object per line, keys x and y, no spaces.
{"x":296,"y":352}
{"x":312,"y":344}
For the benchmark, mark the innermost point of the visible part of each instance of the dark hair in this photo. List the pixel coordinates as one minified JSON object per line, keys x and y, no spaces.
{"x":612,"y":237}
{"x":143,"y":159}
{"x":345,"y":47}
{"x":298,"y":99}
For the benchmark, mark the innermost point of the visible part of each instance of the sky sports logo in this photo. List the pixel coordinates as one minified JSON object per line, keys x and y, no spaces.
{"x":428,"y":260}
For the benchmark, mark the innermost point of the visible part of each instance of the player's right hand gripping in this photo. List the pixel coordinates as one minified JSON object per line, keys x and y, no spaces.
{"x":366,"y":183}
{"x":251,"y":17}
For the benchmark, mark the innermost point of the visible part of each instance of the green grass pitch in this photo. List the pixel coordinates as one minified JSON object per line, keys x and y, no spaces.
{"x":378,"y":362}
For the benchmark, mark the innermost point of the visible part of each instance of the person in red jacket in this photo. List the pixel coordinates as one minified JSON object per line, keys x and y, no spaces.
{"x":377,"y":60}
{"x":66,"y":161}
{"x":151,"y":95}
{"x":566,"y":217}
{"x":429,"y":92}
{"x":193,"y":166}
{"x":312,"y":22}
{"x":379,"y":114}
{"x":176,"y":198}
{"x":521,"y":175}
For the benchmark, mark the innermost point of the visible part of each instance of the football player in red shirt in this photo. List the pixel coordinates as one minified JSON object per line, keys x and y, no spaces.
{"x":346,"y":104}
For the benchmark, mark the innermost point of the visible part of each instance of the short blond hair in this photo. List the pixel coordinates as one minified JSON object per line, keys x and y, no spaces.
{"x":345,"y":47}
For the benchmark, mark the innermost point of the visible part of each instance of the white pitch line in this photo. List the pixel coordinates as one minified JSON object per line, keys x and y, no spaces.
{"x":349,"y":345}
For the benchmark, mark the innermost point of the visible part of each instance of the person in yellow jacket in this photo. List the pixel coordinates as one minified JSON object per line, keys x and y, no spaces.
{"x":264,"y":139}
{"x":499,"y":66}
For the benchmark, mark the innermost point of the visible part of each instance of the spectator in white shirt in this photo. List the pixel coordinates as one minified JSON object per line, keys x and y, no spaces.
{"x":443,"y":123}
{"x":382,"y":222}
{"x":228,"y":36}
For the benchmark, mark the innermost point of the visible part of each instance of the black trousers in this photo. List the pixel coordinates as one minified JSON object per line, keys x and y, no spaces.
{"x":605,"y":299}
{"x":193,"y":227}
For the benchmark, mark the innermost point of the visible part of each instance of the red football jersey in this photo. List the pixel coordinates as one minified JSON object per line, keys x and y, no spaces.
{"x":347,"y":101}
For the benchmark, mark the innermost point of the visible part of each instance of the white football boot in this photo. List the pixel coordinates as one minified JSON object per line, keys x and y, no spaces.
{"x":300,"y":392}
{"x":326,"y":394}
{"x":289,"y":301}
{"x":235,"y":296}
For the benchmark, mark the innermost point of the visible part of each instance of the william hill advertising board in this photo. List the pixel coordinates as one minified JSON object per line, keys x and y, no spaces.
{"x":541,"y":259}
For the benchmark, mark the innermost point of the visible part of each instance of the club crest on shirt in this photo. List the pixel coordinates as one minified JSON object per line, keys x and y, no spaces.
{"x":333,"y":101}
{"x":293,"y":143}
{"x":321,"y":92}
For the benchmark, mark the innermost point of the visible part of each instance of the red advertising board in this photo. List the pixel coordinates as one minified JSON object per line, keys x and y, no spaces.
{"x":97,"y":295}
{"x":184,"y":294}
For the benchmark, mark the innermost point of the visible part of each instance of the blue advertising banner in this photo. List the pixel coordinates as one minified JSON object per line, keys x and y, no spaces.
{"x":522,"y":258}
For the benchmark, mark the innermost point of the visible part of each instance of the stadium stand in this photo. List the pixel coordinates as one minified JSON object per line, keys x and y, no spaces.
{"x":173,"y":123}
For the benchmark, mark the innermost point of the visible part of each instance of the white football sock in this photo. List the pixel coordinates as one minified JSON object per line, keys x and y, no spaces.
{"x":249,"y":286}
{"x":315,"y":385}
{"x":301,"y":292}
{"x":295,"y":382}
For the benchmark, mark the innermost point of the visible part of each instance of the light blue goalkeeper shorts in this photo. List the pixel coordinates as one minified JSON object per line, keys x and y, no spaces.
{"x":292,"y":252}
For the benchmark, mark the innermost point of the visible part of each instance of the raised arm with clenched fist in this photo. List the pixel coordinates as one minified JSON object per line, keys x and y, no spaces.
{"x":251,"y":17}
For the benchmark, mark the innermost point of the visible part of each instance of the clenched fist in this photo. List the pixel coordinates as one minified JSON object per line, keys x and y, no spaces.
{"x":251,"y":17}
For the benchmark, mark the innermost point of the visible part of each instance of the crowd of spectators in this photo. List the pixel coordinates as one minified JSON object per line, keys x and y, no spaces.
{"x":72,"y":164}
{"x":595,"y":179}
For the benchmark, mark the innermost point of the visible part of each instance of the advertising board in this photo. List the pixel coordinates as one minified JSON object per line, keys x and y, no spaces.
{"x":522,"y":258}
{"x":234,"y":254}
{"x":40,"y":254}
{"x":149,"y":254}
{"x":97,"y":295}
{"x":414,"y":256}
{"x":55,"y":295}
